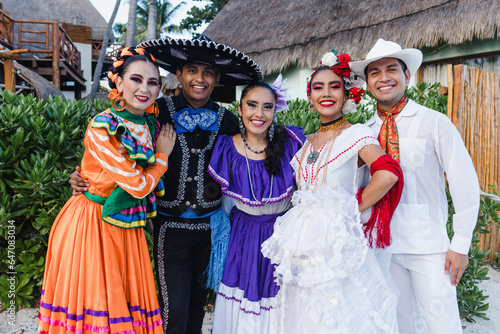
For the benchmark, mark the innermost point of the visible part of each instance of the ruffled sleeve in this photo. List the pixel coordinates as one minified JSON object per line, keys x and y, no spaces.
{"x":247,"y":180}
{"x":297,"y":135}
{"x":102,"y":142}
{"x":220,"y":163}
{"x":136,"y":174}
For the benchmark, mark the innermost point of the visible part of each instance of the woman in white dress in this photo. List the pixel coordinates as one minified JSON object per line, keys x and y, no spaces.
{"x":330,"y":280}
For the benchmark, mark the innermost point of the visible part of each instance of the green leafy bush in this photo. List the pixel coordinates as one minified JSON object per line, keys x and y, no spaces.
{"x":428,"y":95}
{"x":471,"y":300}
{"x":40,"y":144}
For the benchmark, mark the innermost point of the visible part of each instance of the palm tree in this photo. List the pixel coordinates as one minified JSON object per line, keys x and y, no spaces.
{"x":151,"y":20}
{"x":164,"y":13}
{"x":132,"y":12}
{"x":120,"y":30}
{"x":102,"y":54}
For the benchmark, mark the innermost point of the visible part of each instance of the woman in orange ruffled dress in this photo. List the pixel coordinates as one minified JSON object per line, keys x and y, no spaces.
{"x":98,"y":276}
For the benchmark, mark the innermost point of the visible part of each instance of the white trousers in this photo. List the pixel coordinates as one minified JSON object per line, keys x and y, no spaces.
{"x":428,"y":301}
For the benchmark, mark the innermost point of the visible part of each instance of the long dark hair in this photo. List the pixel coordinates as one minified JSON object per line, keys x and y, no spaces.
{"x":275,"y":148}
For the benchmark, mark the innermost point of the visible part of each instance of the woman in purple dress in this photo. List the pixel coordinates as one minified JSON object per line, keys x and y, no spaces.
{"x":253,"y":169}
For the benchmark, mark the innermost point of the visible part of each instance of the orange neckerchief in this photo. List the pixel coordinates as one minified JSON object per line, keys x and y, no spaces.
{"x":388,"y":136}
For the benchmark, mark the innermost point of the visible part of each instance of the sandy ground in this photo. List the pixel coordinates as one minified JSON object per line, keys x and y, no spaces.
{"x":26,"y":319}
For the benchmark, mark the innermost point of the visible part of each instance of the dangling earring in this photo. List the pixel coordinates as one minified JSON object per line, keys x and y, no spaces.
{"x":242,"y":126}
{"x":311,"y":107}
{"x":118,"y":103}
{"x":271,"y":132}
{"x":156,"y":110}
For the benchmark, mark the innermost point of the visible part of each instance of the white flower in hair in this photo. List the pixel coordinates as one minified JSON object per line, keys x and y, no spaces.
{"x":349,"y":107}
{"x":329,"y":59}
{"x":353,"y":81}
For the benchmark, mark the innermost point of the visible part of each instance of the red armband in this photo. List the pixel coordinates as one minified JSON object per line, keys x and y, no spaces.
{"x":383,"y":210}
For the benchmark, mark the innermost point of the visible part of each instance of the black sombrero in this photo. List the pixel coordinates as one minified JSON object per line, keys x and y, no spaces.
{"x":235,"y":67}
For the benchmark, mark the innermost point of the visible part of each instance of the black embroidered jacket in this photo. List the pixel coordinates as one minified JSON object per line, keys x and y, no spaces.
{"x":187,"y":182}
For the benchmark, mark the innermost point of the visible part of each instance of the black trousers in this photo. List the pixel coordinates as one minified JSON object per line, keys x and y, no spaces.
{"x":181,"y":257}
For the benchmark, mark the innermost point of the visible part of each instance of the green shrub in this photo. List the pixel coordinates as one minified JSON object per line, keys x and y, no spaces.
{"x":41,"y":142}
{"x":471,"y":299}
{"x":427,"y":95}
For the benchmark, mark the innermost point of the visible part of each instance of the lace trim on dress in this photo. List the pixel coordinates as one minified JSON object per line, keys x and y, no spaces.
{"x":343,"y":149}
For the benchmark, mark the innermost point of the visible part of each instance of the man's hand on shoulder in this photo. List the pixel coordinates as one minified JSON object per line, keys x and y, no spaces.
{"x":78,"y":183}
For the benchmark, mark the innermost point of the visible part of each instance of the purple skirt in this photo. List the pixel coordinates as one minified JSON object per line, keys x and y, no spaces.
{"x":245,"y":266}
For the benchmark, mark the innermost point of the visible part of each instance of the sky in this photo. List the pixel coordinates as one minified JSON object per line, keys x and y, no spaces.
{"x":105,"y":7}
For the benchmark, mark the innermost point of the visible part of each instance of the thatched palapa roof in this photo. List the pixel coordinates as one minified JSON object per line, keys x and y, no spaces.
{"x":78,"y":12}
{"x":169,"y":82}
{"x":280,"y":33}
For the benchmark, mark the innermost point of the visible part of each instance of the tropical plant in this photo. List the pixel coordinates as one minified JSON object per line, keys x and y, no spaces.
{"x":471,"y":299}
{"x":151,"y":34}
{"x":130,"y":39}
{"x":165,"y":12}
{"x":198,"y":16}
{"x":41,"y":142}
{"x":428,"y":95}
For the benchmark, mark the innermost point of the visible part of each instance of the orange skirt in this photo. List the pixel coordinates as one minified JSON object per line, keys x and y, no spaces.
{"x":98,"y":277}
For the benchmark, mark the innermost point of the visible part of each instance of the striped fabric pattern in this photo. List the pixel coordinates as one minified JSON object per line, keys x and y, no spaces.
{"x":125,"y":150}
{"x":101,"y":317}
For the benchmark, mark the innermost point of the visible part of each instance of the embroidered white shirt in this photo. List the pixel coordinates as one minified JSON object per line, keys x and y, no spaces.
{"x":431,"y":146}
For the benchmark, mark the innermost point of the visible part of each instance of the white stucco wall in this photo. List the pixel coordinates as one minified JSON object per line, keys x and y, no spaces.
{"x":69,"y":95}
{"x":86,"y":65}
{"x":296,"y":81}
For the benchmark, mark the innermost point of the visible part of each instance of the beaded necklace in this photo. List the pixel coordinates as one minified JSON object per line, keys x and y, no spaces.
{"x":332,"y":125}
{"x":250,"y":180}
{"x":251,"y":149}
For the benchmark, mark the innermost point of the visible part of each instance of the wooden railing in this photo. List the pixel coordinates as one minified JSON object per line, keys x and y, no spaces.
{"x":46,"y":38}
{"x":6,"y":30}
{"x":51,"y":39}
{"x":111,"y":51}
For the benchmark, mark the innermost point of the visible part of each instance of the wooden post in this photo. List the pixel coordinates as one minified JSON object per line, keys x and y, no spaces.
{"x":9,"y":74}
{"x":458,"y":82}
{"x":56,"y":77}
{"x":10,"y":77}
{"x":449,"y":69}
{"x":420,"y":74}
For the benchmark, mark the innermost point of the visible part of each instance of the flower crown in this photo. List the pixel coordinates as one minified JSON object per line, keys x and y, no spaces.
{"x":352,"y":82}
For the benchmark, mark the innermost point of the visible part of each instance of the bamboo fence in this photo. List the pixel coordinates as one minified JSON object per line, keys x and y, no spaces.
{"x":474,"y":108}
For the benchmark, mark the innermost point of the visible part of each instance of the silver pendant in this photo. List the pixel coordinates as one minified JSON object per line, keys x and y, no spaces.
{"x":311,"y":158}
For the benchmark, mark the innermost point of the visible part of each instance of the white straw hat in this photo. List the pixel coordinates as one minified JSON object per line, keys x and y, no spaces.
{"x":385,"y":49}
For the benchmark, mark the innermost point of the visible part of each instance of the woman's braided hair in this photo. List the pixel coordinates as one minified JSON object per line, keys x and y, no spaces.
{"x":120,"y":63}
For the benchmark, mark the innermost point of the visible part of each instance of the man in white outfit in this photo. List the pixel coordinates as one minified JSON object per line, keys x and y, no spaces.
{"x":425,"y":265}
